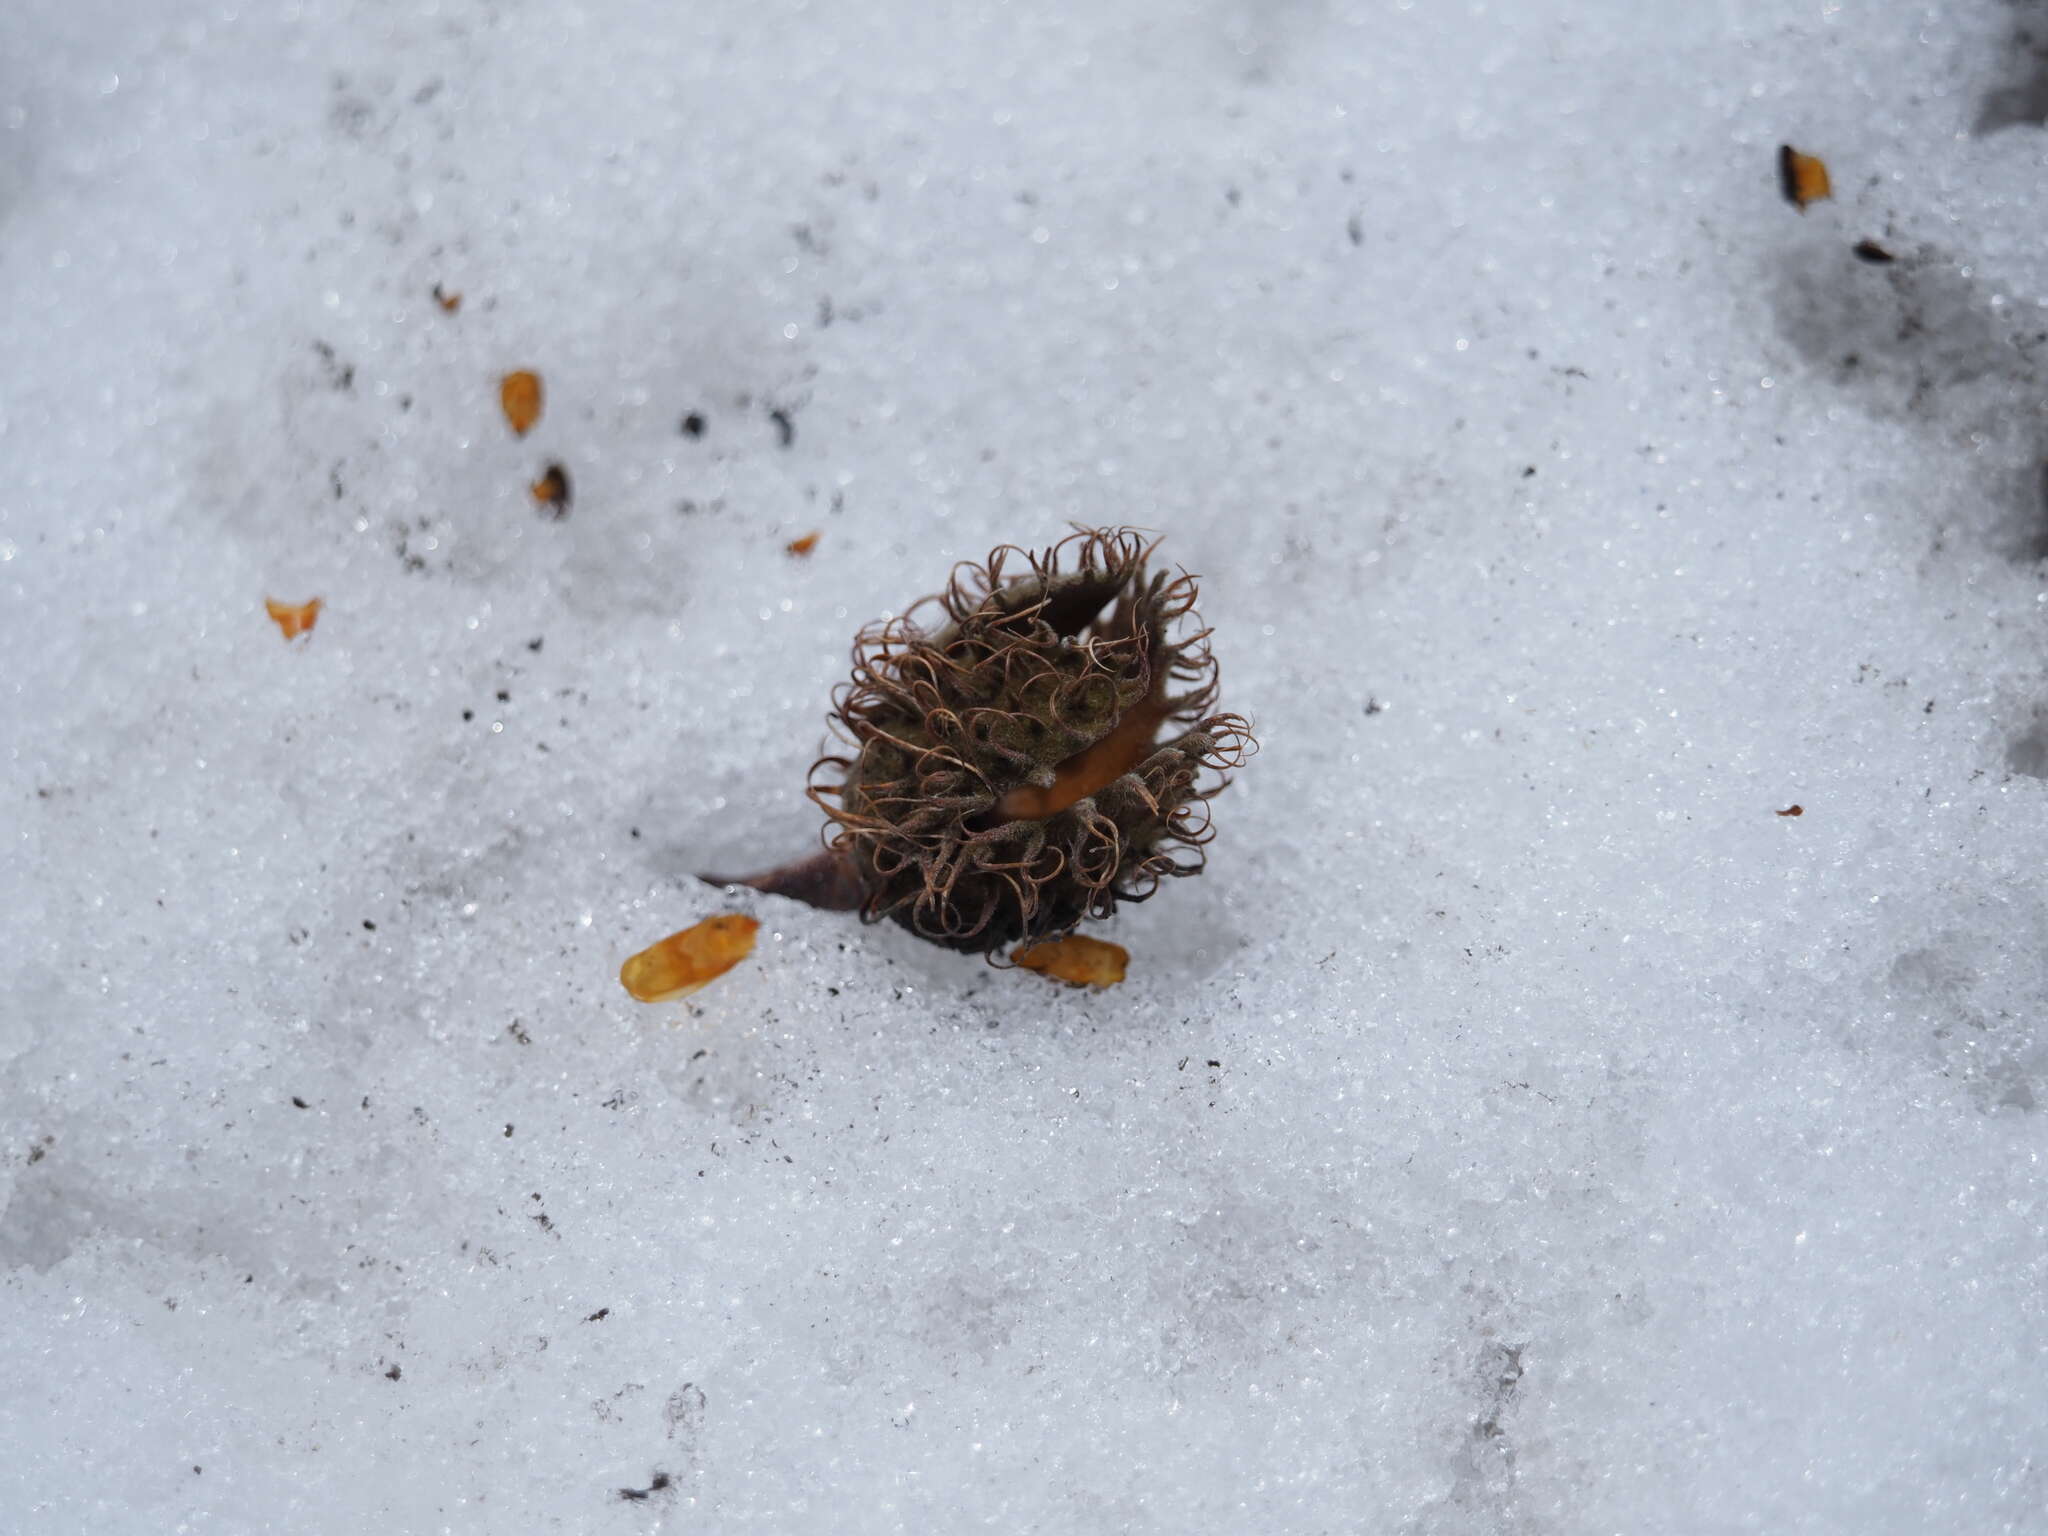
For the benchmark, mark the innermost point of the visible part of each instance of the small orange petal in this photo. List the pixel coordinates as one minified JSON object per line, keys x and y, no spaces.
{"x":295,"y":619}
{"x":1077,"y":960}
{"x":804,"y":545}
{"x":684,"y":962}
{"x":519,"y":394}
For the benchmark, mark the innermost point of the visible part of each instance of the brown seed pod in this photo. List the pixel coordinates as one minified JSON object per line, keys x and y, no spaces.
{"x":1009,"y":777}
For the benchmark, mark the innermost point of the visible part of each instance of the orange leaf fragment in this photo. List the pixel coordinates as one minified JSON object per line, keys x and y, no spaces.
{"x":1077,"y":960}
{"x":804,"y":545}
{"x":295,"y":619}
{"x":552,"y":489}
{"x":450,"y":302}
{"x":1802,"y":178}
{"x":1092,"y":768}
{"x":685,"y":962}
{"x":1793,"y":810}
{"x":519,"y":394}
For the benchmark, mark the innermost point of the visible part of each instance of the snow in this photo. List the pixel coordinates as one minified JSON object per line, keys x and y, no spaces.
{"x":1524,"y":1126}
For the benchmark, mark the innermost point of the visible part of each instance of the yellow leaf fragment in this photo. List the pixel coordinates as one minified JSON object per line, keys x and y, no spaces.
{"x":519,"y":394}
{"x":295,"y":619}
{"x":685,"y":962}
{"x":1077,"y":960}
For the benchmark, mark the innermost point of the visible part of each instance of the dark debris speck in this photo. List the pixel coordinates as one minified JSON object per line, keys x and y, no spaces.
{"x":655,"y":1485}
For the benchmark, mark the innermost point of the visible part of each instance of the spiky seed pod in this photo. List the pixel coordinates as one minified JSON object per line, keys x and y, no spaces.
{"x":1009,"y":778}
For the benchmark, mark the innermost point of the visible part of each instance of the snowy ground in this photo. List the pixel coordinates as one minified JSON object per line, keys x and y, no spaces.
{"x":1523,"y":1128}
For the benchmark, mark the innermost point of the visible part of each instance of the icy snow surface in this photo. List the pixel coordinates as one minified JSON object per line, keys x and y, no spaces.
{"x":1524,"y":1127}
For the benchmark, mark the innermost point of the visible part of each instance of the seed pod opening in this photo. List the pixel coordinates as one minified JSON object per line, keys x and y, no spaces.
{"x":1027,"y":745}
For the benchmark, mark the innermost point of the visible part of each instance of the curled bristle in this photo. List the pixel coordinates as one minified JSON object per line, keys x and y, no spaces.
{"x":1027,"y":745}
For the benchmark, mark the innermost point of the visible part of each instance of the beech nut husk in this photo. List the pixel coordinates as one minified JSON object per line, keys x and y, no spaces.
{"x":1028,"y":748}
